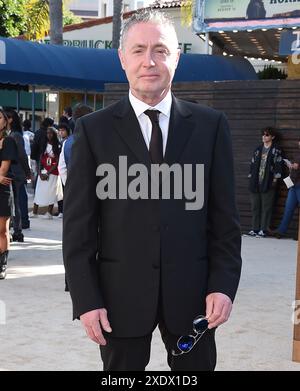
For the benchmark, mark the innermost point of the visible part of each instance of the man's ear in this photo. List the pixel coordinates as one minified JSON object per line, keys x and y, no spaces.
{"x":121,"y":57}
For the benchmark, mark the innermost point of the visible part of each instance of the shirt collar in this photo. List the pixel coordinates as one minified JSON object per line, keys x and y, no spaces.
{"x":139,"y":106}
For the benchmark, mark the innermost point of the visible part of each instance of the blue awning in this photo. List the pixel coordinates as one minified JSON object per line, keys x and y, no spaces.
{"x":204,"y":67}
{"x":69,"y":68}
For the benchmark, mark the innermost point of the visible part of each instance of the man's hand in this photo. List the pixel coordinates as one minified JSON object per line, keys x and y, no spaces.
{"x":218,"y":308}
{"x":4,"y":180}
{"x":93,"y":321}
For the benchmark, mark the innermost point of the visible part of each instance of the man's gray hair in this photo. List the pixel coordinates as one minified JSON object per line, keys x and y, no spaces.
{"x":144,"y":16}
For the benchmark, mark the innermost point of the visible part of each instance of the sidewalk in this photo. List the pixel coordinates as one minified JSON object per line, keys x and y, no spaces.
{"x":40,"y":335}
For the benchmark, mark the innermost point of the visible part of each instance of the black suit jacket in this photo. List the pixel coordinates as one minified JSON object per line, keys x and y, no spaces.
{"x":21,"y":170}
{"x":118,"y":253}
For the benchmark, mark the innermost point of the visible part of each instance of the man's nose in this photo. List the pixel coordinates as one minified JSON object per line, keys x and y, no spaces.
{"x":148,"y":60}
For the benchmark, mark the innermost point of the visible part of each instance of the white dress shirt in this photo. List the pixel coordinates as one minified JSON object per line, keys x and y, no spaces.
{"x":145,"y":123}
{"x":62,"y":167}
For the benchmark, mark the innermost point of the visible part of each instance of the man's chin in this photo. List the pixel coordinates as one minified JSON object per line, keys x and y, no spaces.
{"x":149,"y":88}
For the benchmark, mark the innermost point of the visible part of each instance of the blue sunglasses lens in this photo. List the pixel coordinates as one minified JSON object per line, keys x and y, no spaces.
{"x":185,"y":344}
{"x":200,"y":325}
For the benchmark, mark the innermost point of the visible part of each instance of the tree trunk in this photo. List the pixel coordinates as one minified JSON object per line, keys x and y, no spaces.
{"x":117,"y":23}
{"x":56,"y":22}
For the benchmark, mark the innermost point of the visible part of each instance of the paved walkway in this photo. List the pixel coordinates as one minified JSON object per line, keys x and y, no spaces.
{"x":40,"y":335}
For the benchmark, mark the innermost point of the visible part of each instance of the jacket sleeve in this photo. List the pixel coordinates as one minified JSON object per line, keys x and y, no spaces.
{"x":35,"y":146}
{"x":22,"y":156}
{"x":224,"y":235}
{"x":251,"y":168}
{"x":278,"y":168}
{"x":80,"y":227}
{"x":62,"y":167}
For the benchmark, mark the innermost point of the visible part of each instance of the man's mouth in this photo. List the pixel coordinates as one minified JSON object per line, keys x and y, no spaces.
{"x":149,"y":76}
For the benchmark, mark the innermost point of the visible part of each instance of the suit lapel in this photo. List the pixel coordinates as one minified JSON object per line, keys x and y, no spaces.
{"x":128,"y":127}
{"x":181,"y":128}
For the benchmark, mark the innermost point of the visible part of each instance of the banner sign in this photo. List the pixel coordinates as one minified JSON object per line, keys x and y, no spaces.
{"x":289,"y":42}
{"x":251,"y":9}
{"x":229,"y":15}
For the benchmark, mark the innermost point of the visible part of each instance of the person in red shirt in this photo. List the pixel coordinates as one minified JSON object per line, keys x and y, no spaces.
{"x":48,"y":189}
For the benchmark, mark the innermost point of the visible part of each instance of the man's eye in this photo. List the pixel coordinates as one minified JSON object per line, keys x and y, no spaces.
{"x":161,"y":51}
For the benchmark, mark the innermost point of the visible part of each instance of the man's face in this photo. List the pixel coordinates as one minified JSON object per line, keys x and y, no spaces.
{"x":267,"y":137}
{"x":62,"y":132}
{"x":149,"y":58}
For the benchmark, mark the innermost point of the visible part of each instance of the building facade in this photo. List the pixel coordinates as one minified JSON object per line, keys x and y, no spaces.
{"x":97,"y":33}
{"x":90,"y":9}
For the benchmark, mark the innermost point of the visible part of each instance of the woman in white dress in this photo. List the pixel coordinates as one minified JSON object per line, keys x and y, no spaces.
{"x":48,"y":189}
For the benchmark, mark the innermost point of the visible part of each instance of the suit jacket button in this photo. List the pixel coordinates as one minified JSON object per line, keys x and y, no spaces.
{"x":156,"y":228}
{"x":155,"y":266}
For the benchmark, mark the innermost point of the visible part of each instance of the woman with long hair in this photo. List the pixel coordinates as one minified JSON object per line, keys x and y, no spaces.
{"x":21,"y":171}
{"x":48,"y":189}
{"x":8,"y":156}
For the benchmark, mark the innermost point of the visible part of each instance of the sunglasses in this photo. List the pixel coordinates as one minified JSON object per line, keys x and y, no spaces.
{"x":186,"y":342}
{"x":266,"y":134}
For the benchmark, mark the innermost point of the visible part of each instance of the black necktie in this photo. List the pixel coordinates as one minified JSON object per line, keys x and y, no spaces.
{"x":156,"y":142}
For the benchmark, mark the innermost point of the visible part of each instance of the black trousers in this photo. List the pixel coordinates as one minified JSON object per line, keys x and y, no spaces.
{"x":23,"y":201}
{"x":17,"y":220}
{"x":61,"y":202}
{"x":133,"y":354}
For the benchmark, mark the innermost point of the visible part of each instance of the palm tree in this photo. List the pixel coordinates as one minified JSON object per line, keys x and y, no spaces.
{"x":117,"y":23}
{"x":44,"y":16}
{"x":38,"y":23}
{"x":187,"y":10}
{"x":56,"y":21}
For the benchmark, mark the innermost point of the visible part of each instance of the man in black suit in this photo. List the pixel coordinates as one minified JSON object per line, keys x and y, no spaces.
{"x":133,"y":263}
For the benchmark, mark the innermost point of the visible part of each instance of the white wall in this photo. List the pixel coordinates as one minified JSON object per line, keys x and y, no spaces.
{"x":83,"y":5}
{"x":98,"y":5}
{"x":109,"y":8}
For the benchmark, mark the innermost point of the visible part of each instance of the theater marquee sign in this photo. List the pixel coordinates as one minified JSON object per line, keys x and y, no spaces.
{"x":251,"y":9}
{"x":214,"y":15}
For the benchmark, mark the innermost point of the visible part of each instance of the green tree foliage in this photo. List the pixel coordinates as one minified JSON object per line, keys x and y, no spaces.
{"x":70,"y":18}
{"x":12,"y":17}
{"x":29,"y":17}
{"x":270,"y":72}
{"x":38,"y":22}
{"x":186,"y":12}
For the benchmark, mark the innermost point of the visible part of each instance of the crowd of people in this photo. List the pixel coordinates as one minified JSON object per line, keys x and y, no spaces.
{"x":38,"y":158}
{"x":268,"y":166}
